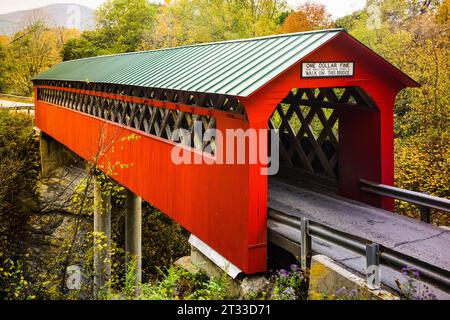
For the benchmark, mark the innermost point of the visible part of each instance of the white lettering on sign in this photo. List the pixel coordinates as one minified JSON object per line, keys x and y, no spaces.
{"x":327,"y":69}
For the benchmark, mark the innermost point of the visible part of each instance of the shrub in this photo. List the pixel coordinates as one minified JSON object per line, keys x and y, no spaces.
{"x":19,"y":170}
{"x":179,"y":284}
{"x":289,"y":284}
{"x":423,"y":164}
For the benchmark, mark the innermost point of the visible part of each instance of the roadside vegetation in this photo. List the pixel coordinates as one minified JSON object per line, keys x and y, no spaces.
{"x":19,"y":173}
{"x":14,"y":98}
{"x":175,"y":283}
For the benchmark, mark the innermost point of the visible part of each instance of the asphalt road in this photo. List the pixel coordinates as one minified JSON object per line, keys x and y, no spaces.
{"x":12,"y":104}
{"x":408,"y":236}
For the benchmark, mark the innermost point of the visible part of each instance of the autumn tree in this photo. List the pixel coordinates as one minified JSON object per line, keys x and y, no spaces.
{"x":443,"y":15}
{"x":413,"y":35}
{"x":120,"y":27}
{"x":19,"y":171}
{"x":415,"y":41}
{"x":122,"y":23}
{"x":2,"y":67}
{"x":30,"y":52}
{"x":309,"y":16}
{"x":82,"y":47}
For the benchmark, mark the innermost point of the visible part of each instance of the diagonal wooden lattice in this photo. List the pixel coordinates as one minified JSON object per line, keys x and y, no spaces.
{"x":206,"y":100}
{"x":158,"y":121}
{"x":307,"y":123}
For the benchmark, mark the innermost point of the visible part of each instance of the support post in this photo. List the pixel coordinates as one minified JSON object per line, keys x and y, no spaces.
{"x":373,"y":266}
{"x":102,"y":239}
{"x":49,"y":152}
{"x":133,"y":236}
{"x":54,"y":156}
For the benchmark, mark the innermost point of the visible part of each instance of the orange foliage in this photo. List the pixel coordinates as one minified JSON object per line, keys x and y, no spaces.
{"x":444,"y":12}
{"x":4,"y":40}
{"x":309,"y":16}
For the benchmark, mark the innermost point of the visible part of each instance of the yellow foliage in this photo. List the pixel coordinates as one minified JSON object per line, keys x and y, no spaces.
{"x":184,"y":22}
{"x":423,"y":164}
{"x":4,"y":40}
{"x":417,"y":42}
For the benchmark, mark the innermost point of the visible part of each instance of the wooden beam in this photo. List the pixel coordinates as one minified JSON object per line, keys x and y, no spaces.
{"x":150,"y":102}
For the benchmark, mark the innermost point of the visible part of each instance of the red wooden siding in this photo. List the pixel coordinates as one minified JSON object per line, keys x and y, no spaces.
{"x":208,"y":200}
{"x":366,"y":138}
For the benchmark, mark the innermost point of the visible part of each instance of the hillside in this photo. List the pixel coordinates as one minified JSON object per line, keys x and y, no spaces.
{"x":55,"y":15}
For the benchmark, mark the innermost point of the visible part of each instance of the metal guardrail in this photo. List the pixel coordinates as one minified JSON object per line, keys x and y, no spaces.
{"x":19,"y":109}
{"x":290,"y":232}
{"x":425,"y":202}
{"x":28,"y":109}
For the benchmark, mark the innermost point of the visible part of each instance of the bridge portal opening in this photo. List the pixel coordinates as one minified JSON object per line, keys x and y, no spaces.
{"x":308,"y":124}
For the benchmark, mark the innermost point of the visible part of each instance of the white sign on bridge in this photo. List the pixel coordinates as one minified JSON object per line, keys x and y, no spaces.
{"x":327,"y":69}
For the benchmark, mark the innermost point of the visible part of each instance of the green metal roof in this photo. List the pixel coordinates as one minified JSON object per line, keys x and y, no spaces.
{"x":236,"y":68}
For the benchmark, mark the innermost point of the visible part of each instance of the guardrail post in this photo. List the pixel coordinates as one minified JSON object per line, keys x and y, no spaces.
{"x":373,"y":266}
{"x":306,"y":254}
{"x":305,"y":257}
{"x":425,"y":215}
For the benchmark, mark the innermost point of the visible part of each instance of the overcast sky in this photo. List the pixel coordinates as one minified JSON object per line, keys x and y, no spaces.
{"x":337,"y":8}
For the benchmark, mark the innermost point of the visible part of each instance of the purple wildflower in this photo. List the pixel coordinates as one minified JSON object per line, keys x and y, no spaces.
{"x":341,"y":290}
{"x":283,"y":273}
{"x":289,"y":293}
{"x":410,"y":272}
{"x":431,"y":296}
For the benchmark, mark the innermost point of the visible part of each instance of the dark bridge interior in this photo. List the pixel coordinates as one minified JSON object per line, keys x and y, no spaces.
{"x":307,"y":121}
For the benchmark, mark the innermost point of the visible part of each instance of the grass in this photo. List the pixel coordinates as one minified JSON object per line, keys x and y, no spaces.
{"x":178,"y":284}
{"x":13,"y":98}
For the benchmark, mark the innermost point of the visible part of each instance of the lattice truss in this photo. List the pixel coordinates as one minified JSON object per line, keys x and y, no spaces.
{"x":158,"y":121}
{"x":308,"y":126}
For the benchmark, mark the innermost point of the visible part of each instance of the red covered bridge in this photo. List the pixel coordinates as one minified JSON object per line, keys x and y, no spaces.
{"x":329,"y":97}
